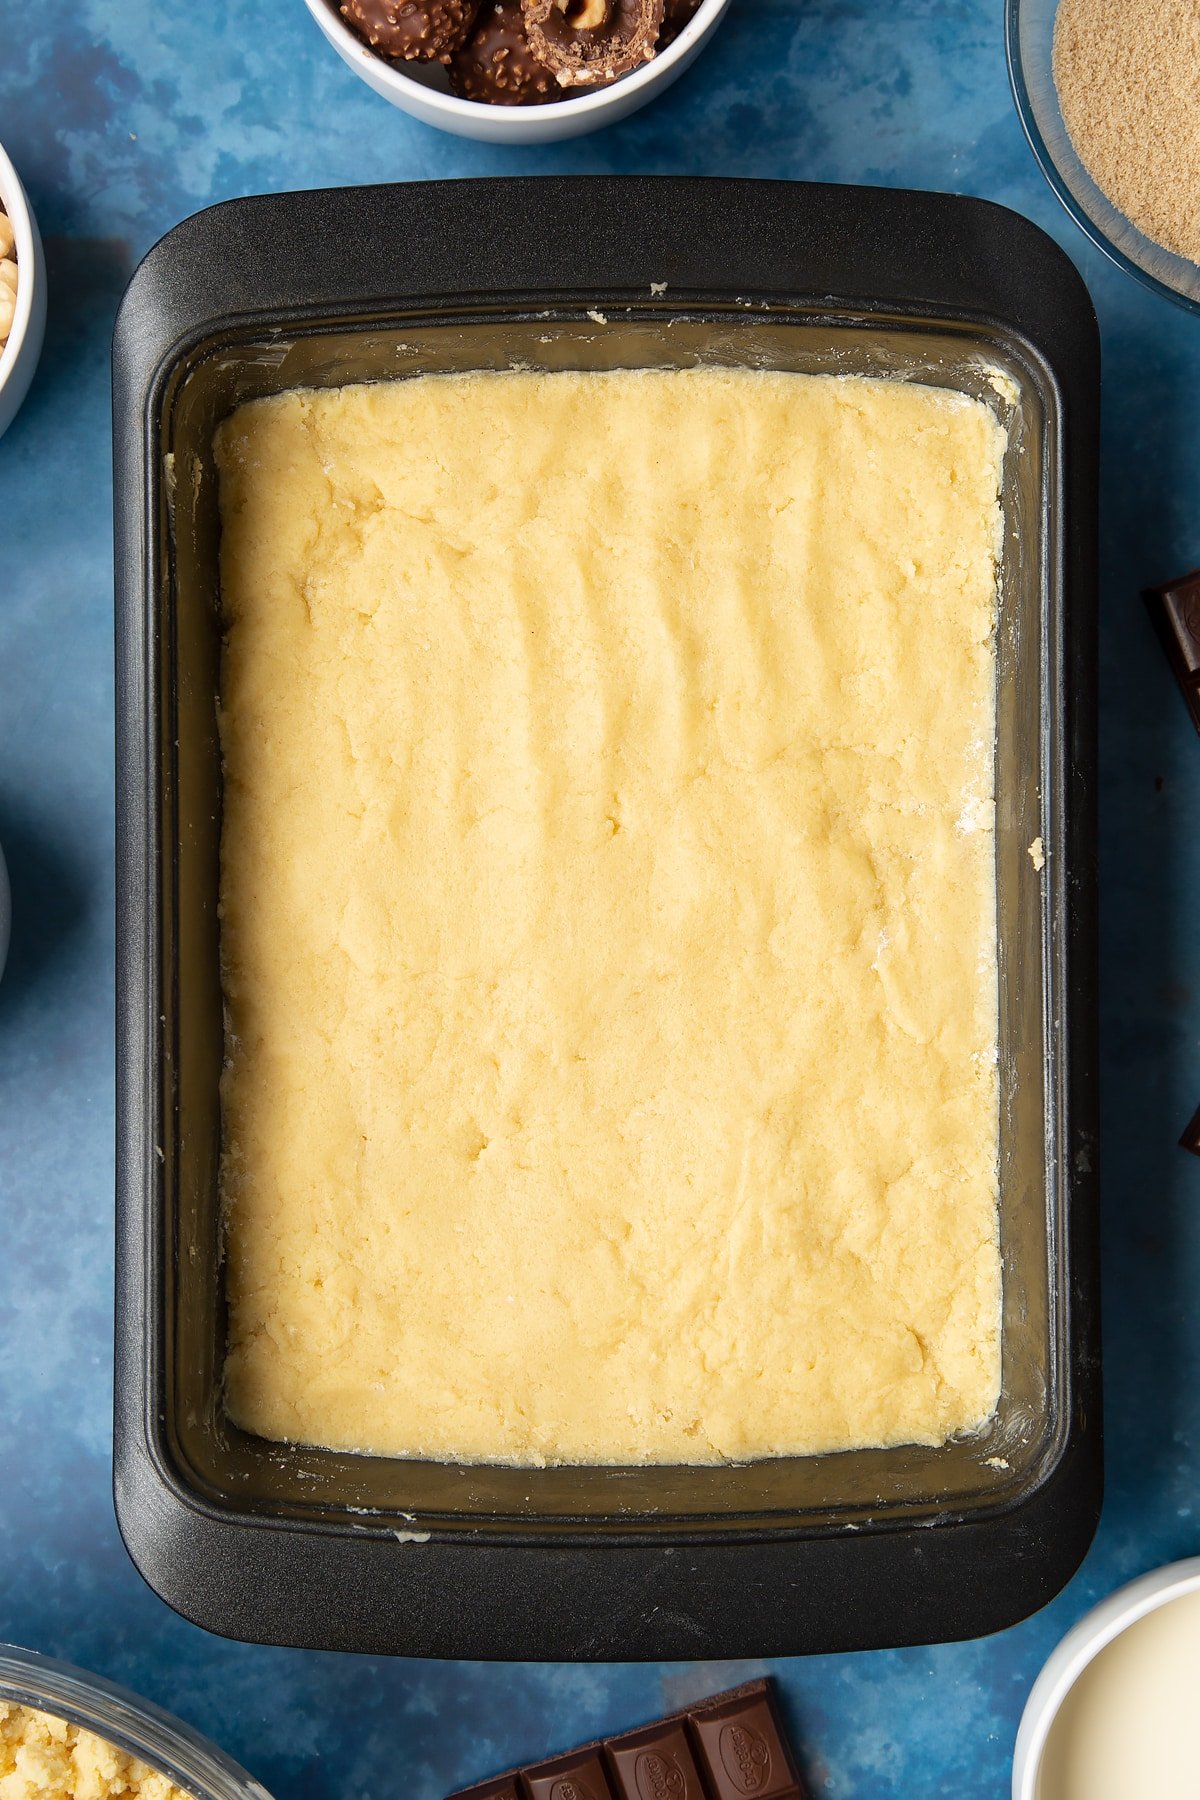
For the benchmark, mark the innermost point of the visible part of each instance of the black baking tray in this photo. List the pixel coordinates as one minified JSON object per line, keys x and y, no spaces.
{"x":292,"y":1545}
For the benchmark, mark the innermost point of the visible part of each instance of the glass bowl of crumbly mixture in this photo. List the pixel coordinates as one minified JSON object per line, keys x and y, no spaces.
{"x":69,"y":1735}
{"x":1108,"y":94}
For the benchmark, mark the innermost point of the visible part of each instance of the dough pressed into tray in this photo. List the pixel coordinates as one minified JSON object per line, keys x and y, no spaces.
{"x":608,"y":915}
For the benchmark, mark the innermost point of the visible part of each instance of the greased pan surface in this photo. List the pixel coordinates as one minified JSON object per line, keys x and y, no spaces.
{"x":870,"y":1548}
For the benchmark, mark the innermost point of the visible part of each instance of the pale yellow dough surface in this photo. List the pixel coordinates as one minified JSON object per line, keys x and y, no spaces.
{"x":608,"y":915}
{"x":45,"y":1758}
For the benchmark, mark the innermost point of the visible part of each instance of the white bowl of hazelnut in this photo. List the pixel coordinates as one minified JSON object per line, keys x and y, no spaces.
{"x":22,"y":293}
{"x":518,"y":71}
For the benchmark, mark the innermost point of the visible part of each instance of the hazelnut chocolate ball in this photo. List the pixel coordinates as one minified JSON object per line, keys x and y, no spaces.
{"x":497,"y":65}
{"x":411,"y":30}
{"x":589,"y":43}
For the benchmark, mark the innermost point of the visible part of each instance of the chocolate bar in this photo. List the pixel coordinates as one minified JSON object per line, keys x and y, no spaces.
{"x":731,"y":1747}
{"x":1191,"y":1134}
{"x":1175,"y":609}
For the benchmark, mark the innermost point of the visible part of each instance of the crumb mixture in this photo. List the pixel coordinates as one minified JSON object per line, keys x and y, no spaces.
{"x":8,"y":277}
{"x":45,"y":1758}
{"x":608,"y":915}
{"x":1128,"y":80}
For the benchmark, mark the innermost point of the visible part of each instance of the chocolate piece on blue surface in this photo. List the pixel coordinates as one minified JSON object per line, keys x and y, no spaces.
{"x":577,"y":1776}
{"x":1175,"y":609}
{"x":655,"y":1763}
{"x":730,"y":1747}
{"x":1191,"y":1134}
{"x":743,"y":1751}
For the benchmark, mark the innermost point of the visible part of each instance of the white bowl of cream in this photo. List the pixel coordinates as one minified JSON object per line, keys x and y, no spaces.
{"x":1115,"y":1713}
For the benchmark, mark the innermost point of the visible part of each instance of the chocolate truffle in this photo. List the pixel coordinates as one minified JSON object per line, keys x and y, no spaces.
{"x":496,"y":64}
{"x":589,"y":43}
{"x":411,"y":30}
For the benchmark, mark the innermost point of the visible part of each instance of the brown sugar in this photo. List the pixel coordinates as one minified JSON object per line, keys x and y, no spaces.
{"x":1128,"y":80}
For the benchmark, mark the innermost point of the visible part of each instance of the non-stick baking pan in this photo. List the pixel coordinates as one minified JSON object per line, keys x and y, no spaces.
{"x":304,"y":1546}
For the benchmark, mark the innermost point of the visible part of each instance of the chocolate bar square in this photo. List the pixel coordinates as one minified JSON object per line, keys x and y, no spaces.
{"x":577,"y":1776}
{"x":655,"y":1764}
{"x":742,"y":1752}
{"x":1175,"y":609}
{"x":730,"y":1747}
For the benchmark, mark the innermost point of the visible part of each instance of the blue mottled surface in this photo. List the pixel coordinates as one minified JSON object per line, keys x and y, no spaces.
{"x":122,"y":116}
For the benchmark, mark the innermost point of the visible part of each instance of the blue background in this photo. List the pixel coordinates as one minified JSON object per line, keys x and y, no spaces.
{"x":122,"y":116}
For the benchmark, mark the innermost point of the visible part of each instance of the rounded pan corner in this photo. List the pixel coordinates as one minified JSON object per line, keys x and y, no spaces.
{"x":1040,"y":260}
{"x":163,"y":298}
{"x":1054,"y":1531}
{"x":153,"y":1548}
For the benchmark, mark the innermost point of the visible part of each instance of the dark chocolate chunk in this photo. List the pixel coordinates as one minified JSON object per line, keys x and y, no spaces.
{"x":411,"y":30}
{"x":1175,"y":609}
{"x":676,"y":14}
{"x":577,"y":1776}
{"x":496,"y":64}
{"x":731,"y":1747}
{"x":742,"y":1750}
{"x":589,"y":43}
{"x":1191,"y":1135}
{"x":655,"y":1764}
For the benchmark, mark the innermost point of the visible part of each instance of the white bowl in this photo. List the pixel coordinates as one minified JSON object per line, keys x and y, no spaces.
{"x":422,"y":89}
{"x":1080,"y":1646}
{"x":19,"y":357}
{"x":1029,"y":41}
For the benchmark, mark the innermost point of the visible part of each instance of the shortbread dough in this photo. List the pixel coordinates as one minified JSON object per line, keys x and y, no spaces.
{"x":608,"y":915}
{"x":43,"y":1757}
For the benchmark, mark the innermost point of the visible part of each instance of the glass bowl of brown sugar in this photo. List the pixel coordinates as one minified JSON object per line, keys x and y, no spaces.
{"x":1109,"y":98}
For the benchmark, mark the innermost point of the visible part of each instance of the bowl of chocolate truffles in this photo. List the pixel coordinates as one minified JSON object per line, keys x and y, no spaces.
{"x":22,"y":295}
{"x":518,"y":71}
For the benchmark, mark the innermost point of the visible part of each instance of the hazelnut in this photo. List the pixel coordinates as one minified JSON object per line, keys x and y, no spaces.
{"x":585,"y":15}
{"x":589,"y":43}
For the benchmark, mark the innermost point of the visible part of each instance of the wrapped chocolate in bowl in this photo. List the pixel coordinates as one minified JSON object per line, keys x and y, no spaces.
{"x":517,"y":71}
{"x":590,"y":43}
